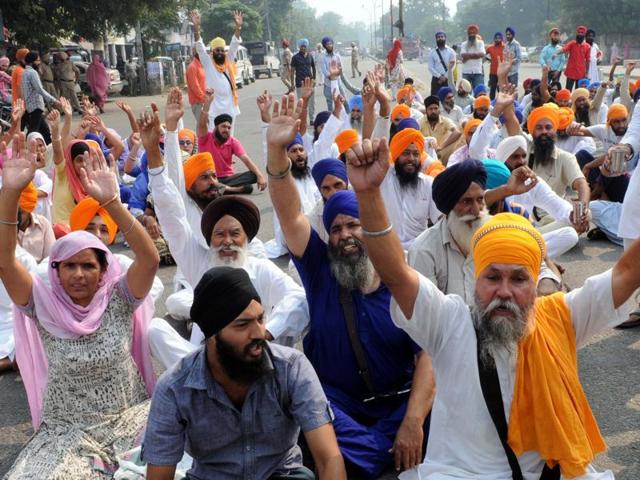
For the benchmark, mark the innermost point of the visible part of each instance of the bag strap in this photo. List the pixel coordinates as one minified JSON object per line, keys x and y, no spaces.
{"x":492,"y":394}
{"x":442,"y":60}
{"x":346,"y":301}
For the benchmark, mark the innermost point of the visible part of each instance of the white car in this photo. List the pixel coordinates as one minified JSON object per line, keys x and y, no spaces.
{"x":244,"y":69}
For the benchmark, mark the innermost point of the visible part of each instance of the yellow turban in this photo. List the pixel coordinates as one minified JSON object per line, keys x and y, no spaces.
{"x":578,"y":93}
{"x":195,"y":166}
{"x":545,"y":111}
{"x":617,"y":111}
{"x":398,"y":110}
{"x":482,"y":101}
{"x":405,"y":92}
{"x":403,"y":139}
{"x":346,"y":139}
{"x":85,"y":211}
{"x":565,"y":117}
{"x":29,"y":198}
{"x":218,"y":42}
{"x":508,"y":238}
{"x":471,"y":124}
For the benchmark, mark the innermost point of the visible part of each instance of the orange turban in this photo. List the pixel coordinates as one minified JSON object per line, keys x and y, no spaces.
{"x":471,"y":124}
{"x":404,"y":92}
{"x":195,"y":166}
{"x":578,"y":93}
{"x":565,"y":117}
{"x":403,"y":139}
{"x":617,"y":111}
{"x":537,"y":114}
{"x":21,"y":53}
{"x":434,"y":169}
{"x":85,"y":211}
{"x":564,"y":95}
{"x":346,"y":139}
{"x":29,"y":198}
{"x":482,"y":101}
{"x":185,"y":133}
{"x":398,"y":110}
{"x":511,"y":239}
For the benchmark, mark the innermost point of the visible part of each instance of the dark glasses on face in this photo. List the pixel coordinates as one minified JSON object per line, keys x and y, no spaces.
{"x":186,"y":142}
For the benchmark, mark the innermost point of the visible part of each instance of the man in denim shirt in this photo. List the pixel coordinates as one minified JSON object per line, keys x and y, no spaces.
{"x":237,"y":404}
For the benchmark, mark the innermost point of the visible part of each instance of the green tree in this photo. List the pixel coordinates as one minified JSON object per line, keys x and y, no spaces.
{"x":217,"y":21}
{"x":622,"y":17}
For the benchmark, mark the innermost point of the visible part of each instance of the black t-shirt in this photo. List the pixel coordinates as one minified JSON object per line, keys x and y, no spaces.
{"x":303,"y":67}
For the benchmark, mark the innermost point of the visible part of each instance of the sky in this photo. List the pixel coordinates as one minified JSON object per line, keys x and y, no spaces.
{"x":352,"y":10}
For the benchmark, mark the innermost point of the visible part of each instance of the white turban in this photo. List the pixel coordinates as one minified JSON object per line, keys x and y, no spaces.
{"x":508,"y":146}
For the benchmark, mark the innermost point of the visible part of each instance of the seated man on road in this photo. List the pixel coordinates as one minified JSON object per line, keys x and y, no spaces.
{"x":521,"y":348}
{"x":381,"y":392}
{"x":255,"y":396}
{"x":445,"y":131}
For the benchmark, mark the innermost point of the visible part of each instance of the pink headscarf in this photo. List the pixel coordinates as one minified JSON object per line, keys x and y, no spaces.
{"x":77,"y":190}
{"x":97,"y":77}
{"x":4,"y":62}
{"x":62,"y":318}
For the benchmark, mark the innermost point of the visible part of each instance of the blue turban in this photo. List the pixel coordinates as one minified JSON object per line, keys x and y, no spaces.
{"x":303,"y":41}
{"x":329,"y":166}
{"x":407,"y":123}
{"x":498,"y":34}
{"x":356,"y":101}
{"x":321,"y":119}
{"x":326,"y":40}
{"x":583,"y":83}
{"x":296,"y":141}
{"x":519,"y":115}
{"x":478,"y":89}
{"x":441,"y":33}
{"x":594,"y":85}
{"x":344,"y":202}
{"x":497,"y":173}
{"x":509,"y":29}
{"x":636,"y":96}
{"x":443,"y":92}
{"x":450,"y":184}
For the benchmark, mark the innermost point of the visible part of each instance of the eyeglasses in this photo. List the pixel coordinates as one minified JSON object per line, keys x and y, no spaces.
{"x":186,"y":142}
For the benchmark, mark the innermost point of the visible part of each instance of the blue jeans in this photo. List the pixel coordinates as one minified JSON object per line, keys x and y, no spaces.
{"x":474,"y":78}
{"x":328,"y":95}
{"x":606,"y":216}
{"x":513,"y":79}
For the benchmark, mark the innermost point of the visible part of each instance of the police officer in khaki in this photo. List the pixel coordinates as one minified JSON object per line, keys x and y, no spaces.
{"x":66,"y":75}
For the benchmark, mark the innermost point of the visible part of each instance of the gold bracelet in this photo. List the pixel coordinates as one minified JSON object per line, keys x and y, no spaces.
{"x":110,"y":201}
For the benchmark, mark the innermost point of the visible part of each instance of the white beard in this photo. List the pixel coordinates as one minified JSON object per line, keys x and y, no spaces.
{"x":463,"y":228}
{"x":215,"y":260}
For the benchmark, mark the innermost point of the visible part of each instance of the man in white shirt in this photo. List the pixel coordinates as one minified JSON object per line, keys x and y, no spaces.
{"x":449,"y":108}
{"x":441,"y":61}
{"x":494,"y":345}
{"x":219,"y":69}
{"x":472,"y":52}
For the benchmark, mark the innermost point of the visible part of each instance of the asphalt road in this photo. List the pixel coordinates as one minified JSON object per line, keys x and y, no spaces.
{"x":609,"y":364}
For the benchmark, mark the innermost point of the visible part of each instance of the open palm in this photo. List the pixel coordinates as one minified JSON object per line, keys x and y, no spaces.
{"x":174,"y":110}
{"x":285,"y":122}
{"x":367,"y":164}
{"x":19,"y":167}
{"x":97,"y":178}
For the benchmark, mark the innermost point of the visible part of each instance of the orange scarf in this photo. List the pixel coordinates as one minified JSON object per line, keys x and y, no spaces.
{"x":230,"y":67}
{"x":550,"y":413}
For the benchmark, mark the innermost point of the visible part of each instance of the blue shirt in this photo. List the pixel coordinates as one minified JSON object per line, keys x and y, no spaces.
{"x":546,"y":57}
{"x":190,"y":412}
{"x":514,"y":47}
{"x":389,"y":350}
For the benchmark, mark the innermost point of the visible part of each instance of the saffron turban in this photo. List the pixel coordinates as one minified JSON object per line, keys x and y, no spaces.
{"x":443,"y":92}
{"x":28,"y":198}
{"x":321,"y":119}
{"x":342,"y":202}
{"x":356,"y":102}
{"x":470,"y":125}
{"x":195,"y":166}
{"x":565,"y":117}
{"x":434,"y":169}
{"x":240,"y":208}
{"x":511,"y":239}
{"x":21,"y":53}
{"x":408,"y":123}
{"x":346,"y":139}
{"x":218,"y":42}
{"x":497,"y":173}
{"x":402,"y":139}
{"x":617,"y":111}
{"x":579,"y":93}
{"x":296,"y":141}
{"x":187,"y":134}
{"x":508,"y":147}
{"x":478,"y":89}
{"x":482,"y":101}
{"x":431,"y":100}
{"x":537,"y":114}
{"x":449,"y":186}
{"x":329,"y":166}
{"x":563,"y":95}
{"x":221,"y":295}
{"x":404,"y":93}
{"x":398,"y":110}
{"x":85,"y":211}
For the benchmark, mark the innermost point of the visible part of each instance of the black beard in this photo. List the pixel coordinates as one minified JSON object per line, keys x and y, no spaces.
{"x":579,"y":38}
{"x":219,"y":137}
{"x":543,"y":150}
{"x":433,"y":117}
{"x":407,"y":179}
{"x":353,"y":272}
{"x":619,"y":131}
{"x":203,"y":200}
{"x":441,"y":44}
{"x":479,"y":116}
{"x":236,"y":367}
{"x":299,"y":172}
{"x":555,"y":42}
{"x":219,"y":59}
{"x":582,"y":116}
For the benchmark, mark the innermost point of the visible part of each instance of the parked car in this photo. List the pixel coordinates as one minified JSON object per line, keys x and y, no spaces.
{"x":244,"y":69}
{"x":263,"y":58}
{"x":115,"y":82}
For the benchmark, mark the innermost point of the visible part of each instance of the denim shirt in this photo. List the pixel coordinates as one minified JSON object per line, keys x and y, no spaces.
{"x":191,"y":412}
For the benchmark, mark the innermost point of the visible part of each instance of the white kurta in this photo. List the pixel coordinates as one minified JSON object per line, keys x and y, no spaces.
{"x":467,"y":445}
{"x":630,"y":218}
{"x":594,"y":71}
{"x":409,"y":209}
{"x":43,"y":184}
{"x":7,"y":343}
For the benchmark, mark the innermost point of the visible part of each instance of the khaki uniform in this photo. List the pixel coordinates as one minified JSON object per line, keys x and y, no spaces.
{"x":65,"y":74}
{"x":46,"y":76}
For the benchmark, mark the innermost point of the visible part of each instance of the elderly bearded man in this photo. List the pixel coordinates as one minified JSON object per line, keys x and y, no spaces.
{"x":381,"y":392}
{"x":509,"y":403}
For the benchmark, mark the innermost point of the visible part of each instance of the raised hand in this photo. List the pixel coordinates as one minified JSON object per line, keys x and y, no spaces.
{"x":209,"y":95}
{"x":150,"y":130}
{"x":338,"y":101}
{"x":367,"y":164}
{"x":97,"y":179}
{"x":89,"y":107}
{"x":67,"y":109}
{"x":285,"y":122}
{"x":196,"y":19}
{"x":264,"y":102}
{"x":630,"y":67}
{"x":334,"y":70}
{"x":238,"y":19}
{"x":96,"y":123}
{"x":504,"y":65}
{"x":135,"y":141}
{"x":174,"y":110}
{"x":306,"y":89}
{"x":368,"y":95}
{"x":380,"y":72}
{"x":124,"y":106}
{"x":505,"y":97}
{"x":53,"y":118}
{"x":20,"y":167}
{"x":17,"y":111}
{"x":522,"y":180}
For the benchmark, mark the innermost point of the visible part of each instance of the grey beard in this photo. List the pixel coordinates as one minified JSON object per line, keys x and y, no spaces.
{"x":351,"y":272}
{"x":498,"y":333}
{"x":215,"y":260}
{"x":462,"y":228}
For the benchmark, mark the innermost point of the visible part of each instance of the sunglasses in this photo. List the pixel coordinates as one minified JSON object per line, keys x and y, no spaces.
{"x":186,"y":142}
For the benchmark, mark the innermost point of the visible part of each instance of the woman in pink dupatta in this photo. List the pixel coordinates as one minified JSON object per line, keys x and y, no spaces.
{"x":81,"y":344}
{"x":98,"y":80}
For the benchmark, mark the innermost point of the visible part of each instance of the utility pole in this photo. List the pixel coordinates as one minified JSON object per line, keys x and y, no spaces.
{"x":140,"y":52}
{"x":400,"y":18}
{"x":391,"y":18}
{"x":265,"y":6}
